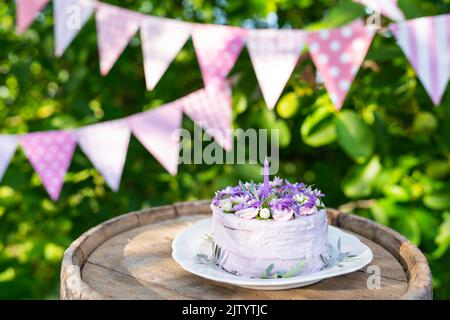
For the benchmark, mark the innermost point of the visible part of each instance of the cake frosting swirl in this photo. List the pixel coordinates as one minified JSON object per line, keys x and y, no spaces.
{"x":275,"y":223}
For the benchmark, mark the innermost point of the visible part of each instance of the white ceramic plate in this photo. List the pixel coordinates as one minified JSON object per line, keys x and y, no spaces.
{"x":190,"y":242}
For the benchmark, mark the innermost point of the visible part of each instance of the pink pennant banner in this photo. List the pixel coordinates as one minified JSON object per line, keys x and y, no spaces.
{"x":26,"y":11}
{"x":338,"y":54}
{"x":210,"y":109}
{"x":50,"y":153}
{"x":162,"y":39}
{"x":115,"y":28}
{"x":8,"y":146}
{"x":70,"y":16}
{"x":388,"y":8}
{"x":106,"y":146}
{"x":274,"y":55}
{"x":217,"y":48}
{"x":426,"y":43}
{"x":157,"y":130}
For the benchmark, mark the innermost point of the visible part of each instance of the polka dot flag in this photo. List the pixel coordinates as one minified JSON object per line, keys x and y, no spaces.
{"x":217,"y":48}
{"x":338,"y":54}
{"x":50,"y":153}
{"x":115,"y":28}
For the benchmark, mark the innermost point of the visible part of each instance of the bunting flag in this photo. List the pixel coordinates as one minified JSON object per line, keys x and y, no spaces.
{"x":210,"y":109}
{"x":157,"y":131}
{"x":70,"y":17}
{"x":162,"y":39}
{"x":388,"y":8}
{"x":106,"y":145}
{"x":217,"y":48}
{"x":274,"y":55}
{"x":115,"y":28}
{"x":8,"y":146}
{"x":50,"y":153}
{"x":426,"y":43}
{"x":338,"y":54}
{"x":26,"y":11}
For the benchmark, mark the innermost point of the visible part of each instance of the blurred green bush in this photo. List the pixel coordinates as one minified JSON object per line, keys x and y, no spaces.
{"x":385,"y":156}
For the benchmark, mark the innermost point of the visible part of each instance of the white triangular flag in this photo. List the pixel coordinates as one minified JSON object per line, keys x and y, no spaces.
{"x":157,"y":130}
{"x":162,"y":39}
{"x":115,"y":28}
{"x":70,"y":17}
{"x":274,"y":55}
{"x":106,"y":145}
{"x":8,"y":146}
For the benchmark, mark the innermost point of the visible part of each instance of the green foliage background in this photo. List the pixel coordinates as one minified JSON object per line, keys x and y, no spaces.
{"x":385,"y":156}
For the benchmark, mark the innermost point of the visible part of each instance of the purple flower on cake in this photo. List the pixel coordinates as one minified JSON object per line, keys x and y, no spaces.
{"x":277,"y":200}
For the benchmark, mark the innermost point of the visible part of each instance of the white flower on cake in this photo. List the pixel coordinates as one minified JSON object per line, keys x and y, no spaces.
{"x":300,"y":198}
{"x":226,"y":205}
{"x":264,"y":213}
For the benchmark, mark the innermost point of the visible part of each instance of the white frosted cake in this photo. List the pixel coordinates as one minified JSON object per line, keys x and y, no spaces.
{"x":270,"y":230}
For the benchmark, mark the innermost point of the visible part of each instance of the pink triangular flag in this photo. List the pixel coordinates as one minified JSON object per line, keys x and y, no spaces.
{"x":70,"y":16}
{"x":157,"y":129}
{"x":338,"y":54}
{"x":115,"y":28}
{"x":50,"y":153}
{"x":162,"y":39}
{"x":8,"y":146}
{"x":274,"y":55}
{"x":26,"y":11}
{"x":388,"y":8}
{"x":426,"y":43}
{"x":106,"y":145}
{"x":217,"y":48}
{"x":210,"y":109}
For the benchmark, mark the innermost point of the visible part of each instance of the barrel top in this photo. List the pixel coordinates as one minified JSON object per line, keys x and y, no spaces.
{"x":129,"y":257}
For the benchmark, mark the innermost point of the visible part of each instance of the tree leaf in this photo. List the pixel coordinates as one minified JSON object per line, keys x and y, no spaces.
{"x":438,"y":200}
{"x":319,"y":128}
{"x":354,"y":136}
{"x":288,"y":105}
{"x":360,"y":179}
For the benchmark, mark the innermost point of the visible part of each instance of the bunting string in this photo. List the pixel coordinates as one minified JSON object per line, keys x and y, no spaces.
{"x":337,"y":54}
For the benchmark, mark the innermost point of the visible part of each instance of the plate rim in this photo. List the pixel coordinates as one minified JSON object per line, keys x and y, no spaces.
{"x":367,"y":257}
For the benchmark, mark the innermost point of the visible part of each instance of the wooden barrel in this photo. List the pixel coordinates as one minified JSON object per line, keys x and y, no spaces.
{"x":129,"y":257}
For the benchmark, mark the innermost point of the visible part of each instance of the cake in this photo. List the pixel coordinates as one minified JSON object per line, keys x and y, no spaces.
{"x":270,"y":229}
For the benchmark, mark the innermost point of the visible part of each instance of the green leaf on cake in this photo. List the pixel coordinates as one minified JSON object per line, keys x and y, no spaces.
{"x":295,"y":271}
